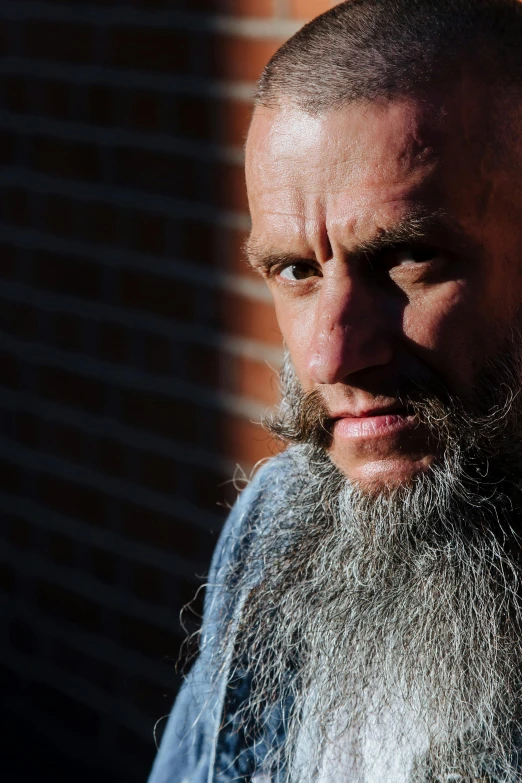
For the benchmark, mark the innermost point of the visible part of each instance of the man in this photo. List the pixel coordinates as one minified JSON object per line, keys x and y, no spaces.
{"x":363,"y":613}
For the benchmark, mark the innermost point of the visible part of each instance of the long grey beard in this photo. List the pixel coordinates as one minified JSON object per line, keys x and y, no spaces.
{"x":400,"y":608}
{"x":396,"y":608}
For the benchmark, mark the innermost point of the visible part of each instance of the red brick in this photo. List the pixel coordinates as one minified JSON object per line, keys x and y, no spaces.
{"x":254,"y":379}
{"x":199,"y":242}
{"x":148,"y":638}
{"x":68,"y":606}
{"x":74,"y":661}
{"x":132,"y":746}
{"x":7,"y":147}
{"x":61,"y":549}
{"x":70,"y":499}
{"x":103,"y":221}
{"x":159,"y":172}
{"x":104,"y":565}
{"x":158,"y":472}
{"x":245,"y":442}
{"x":240,"y":375}
{"x":66,"y":159}
{"x":15,"y":206}
{"x":234,"y":122}
{"x":166,"y":533}
{"x":169,"y":418}
{"x":155,"y":4}
{"x":72,"y":714}
{"x":233,"y":57}
{"x":15,"y":94}
{"x":204,"y":366}
{"x":307,"y":9}
{"x":260,"y":8}
{"x":70,"y":442}
{"x":113,"y":342}
{"x":68,"y":332}
{"x":232,"y":245}
{"x":59,"y":215}
{"x":66,"y":274}
{"x":111,"y":457}
{"x":8,"y":262}
{"x":22,"y":637}
{"x":196,"y":117}
{"x":159,"y":295}
{"x":102,"y":3}
{"x":150,"y":49}
{"x":101,"y":104}
{"x":28,"y":430}
{"x":212,"y":490}
{"x":63,"y":41}
{"x":58,"y":99}
{"x":148,"y":584}
{"x":150,"y":697}
{"x":71,"y":389}
{"x":249,"y":8}
{"x":7,"y":579}
{"x":149,"y":232}
{"x":19,"y":532}
{"x":9,"y":371}
{"x":256,"y":320}
{"x":157,"y":350}
{"x":145,"y":111}
{"x":19,"y":319}
{"x":231,"y":188}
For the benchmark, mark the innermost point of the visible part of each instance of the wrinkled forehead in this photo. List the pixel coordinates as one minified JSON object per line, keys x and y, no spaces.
{"x":365,"y":164}
{"x":308,"y":174}
{"x":292,"y":148}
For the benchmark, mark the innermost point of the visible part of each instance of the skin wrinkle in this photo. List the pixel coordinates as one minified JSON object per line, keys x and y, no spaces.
{"x":387,"y":226}
{"x":424,"y":671}
{"x":431,"y":315}
{"x":373,"y":579}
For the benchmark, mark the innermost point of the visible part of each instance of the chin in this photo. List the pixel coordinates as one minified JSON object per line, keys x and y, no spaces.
{"x":384,"y":475}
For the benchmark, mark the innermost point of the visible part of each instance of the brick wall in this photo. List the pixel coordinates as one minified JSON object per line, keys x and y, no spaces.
{"x":137,"y":353}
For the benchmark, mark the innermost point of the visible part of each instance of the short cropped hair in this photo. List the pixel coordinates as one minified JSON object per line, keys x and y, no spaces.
{"x":363,"y":50}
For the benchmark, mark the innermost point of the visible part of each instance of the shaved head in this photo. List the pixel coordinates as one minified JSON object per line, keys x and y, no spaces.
{"x":363,"y":50}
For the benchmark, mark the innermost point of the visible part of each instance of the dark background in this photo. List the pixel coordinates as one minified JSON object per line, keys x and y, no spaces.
{"x":136,"y":356}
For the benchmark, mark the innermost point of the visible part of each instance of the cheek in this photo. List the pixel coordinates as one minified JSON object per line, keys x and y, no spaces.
{"x":295,"y":318}
{"x":446,"y":326}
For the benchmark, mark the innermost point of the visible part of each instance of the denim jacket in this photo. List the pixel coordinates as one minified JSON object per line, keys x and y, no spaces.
{"x":203,"y":742}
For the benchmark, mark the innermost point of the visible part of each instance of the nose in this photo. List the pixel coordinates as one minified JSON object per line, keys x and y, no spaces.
{"x":349,"y":330}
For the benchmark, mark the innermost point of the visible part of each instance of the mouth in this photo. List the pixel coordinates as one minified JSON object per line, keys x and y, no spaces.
{"x":374,"y":424}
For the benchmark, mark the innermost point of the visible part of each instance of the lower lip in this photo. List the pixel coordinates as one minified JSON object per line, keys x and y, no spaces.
{"x":366,"y":427}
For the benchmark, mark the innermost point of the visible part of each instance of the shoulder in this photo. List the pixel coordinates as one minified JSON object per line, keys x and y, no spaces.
{"x":253,"y":512}
{"x":187,"y":746}
{"x":270,"y":485}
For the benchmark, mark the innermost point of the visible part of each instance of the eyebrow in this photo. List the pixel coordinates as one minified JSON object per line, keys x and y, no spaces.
{"x":412,"y":228}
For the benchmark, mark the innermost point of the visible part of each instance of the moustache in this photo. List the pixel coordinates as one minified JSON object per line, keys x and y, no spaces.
{"x":304,"y":416}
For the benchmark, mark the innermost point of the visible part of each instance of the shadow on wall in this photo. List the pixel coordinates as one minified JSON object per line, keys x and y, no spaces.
{"x":136,"y":353}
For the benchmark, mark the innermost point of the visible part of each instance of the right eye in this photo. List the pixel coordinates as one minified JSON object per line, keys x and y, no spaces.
{"x":297,"y":271}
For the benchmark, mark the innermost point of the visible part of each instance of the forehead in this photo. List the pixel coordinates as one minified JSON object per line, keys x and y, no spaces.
{"x":355,"y":170}
{"x":335,"y":143}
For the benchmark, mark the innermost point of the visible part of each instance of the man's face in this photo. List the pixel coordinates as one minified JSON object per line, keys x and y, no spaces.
{"x":389,"y":235}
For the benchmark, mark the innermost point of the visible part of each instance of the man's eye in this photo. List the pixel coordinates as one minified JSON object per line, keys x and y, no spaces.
{"x":415,"y":255}
{"x":299,"y":271}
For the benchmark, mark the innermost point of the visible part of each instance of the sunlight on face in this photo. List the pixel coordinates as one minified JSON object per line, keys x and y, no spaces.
{"x":368,"y":225}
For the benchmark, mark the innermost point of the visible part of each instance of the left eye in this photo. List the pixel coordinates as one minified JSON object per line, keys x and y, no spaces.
{"x":298,"y":271}
{"x":415,"y":255}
